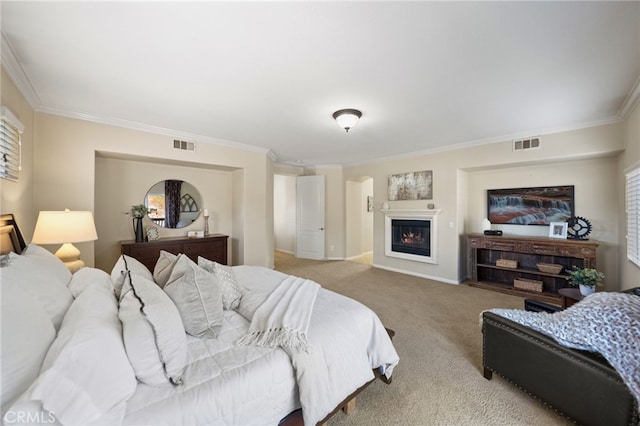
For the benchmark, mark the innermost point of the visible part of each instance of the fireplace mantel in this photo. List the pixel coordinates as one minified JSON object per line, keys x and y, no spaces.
{"x":412,"y":214}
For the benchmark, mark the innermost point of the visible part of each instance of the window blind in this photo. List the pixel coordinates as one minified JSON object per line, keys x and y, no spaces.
{"x":633,"y":215}
{"x":10,"y":145}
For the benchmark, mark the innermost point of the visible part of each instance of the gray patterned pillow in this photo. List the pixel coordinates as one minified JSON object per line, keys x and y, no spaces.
{"x":228,"y":283}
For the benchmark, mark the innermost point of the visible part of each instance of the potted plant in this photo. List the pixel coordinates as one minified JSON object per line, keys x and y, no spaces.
{"x":137,"y":213}
{"x":585,"y":278}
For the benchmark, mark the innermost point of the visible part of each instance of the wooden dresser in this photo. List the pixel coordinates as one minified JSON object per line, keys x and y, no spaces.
{"x":212,"y":247}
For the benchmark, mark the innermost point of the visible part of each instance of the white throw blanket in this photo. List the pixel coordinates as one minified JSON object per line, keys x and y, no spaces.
{"x":283,"y":318}
{"x":607,"y":323}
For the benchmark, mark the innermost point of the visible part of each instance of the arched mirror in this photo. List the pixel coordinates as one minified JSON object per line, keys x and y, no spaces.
{"x":173,"y":203}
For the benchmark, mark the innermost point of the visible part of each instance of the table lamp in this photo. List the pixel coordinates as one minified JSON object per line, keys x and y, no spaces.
{"x":65,"y":227}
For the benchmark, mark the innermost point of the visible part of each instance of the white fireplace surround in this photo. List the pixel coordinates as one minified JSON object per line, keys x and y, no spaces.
{"x":428,"y":215}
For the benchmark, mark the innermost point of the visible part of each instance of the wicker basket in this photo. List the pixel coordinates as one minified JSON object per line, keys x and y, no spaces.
{"x":507,"y":263}
{"x":527,"y":284}
{"x":551,"y":268}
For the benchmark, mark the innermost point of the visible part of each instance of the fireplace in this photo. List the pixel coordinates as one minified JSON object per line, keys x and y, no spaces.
{"x":411,"y":234}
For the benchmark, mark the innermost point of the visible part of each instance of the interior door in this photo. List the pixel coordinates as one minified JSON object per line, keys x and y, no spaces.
{"x":310,"y":217}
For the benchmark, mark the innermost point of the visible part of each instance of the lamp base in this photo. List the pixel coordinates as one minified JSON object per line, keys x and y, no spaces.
{"x":70,"y":256}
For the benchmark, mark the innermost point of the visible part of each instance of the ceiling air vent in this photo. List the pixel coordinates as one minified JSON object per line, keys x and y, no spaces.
{"x":184,"y":145}
{"x":522,"y":144}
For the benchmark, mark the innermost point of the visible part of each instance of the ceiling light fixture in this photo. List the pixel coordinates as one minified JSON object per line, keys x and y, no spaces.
{"x":347,"y":118}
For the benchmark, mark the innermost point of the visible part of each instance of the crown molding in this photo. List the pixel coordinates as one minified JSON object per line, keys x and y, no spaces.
{"x":16,"y":72}
{"x":631,"y":101}
{"x":495,"y":139}
{"x":116,"y":122}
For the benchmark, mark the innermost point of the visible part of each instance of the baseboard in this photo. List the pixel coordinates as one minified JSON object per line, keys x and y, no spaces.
{"x":415,"y":274}
{"x":285,"y":251}
{"x":359,"y":255}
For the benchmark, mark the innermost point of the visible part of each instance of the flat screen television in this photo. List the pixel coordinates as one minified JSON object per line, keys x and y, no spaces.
{"x":530,"y":206}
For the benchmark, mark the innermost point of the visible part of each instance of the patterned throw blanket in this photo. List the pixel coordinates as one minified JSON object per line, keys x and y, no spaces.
{"x":607,"y":323}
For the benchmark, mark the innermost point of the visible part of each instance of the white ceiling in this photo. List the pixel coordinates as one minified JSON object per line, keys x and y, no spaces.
{"x":426,"y":75}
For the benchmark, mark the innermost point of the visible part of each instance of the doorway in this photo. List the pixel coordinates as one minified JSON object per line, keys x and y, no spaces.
{"x":360,"y":210}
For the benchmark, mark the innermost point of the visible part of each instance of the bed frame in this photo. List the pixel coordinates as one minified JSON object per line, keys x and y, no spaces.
{"x":10,"y":235}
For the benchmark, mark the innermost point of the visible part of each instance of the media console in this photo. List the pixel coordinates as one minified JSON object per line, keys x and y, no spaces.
{"x":527,"y":252}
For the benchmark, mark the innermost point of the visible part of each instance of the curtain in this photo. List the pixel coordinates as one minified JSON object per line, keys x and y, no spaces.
{"x":172,"y":189}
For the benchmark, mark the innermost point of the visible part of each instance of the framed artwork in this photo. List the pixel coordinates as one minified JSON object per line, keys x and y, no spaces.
{"x":530,"y":206}
{"x":369,"y":203}
{"x":558,"y":230}
{"x":411,"y":186}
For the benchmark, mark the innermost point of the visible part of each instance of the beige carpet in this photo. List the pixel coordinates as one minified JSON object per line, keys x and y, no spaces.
{"x":439,"y":379}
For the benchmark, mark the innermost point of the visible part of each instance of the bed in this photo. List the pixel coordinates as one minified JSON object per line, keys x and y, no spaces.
{"x":136,"y":347}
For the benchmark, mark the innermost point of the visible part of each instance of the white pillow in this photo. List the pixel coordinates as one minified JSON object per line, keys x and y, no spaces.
{"x":228,"y":283}
{"x":153,"y":332}
{"x":27,"y":333}
{"x":127,"y":263}
{"x":197,"y":295}
{"x":164,"y":266}
{"x":55,"y":267}
{"x":85,"y":278}
{"x":41,"y":276}
{"x":86,"y":372}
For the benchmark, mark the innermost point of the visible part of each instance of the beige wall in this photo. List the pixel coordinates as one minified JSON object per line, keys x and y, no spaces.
{"x":59,"y":171}
{"x":629,"y":272}
{"x":595,"y":190}
{"x":17,"y":197}
{"x":585,"y":155}
{"x":284,"y":213}
{"x":122,"y":183}
{"x":65,"y":164}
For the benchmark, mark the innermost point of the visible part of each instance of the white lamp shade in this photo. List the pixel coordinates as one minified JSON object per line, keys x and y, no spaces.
{"x":57,"y":227}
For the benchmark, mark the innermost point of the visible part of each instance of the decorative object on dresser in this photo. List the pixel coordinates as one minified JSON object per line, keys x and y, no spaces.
{"x":206,"y":221}
{"x":579,"y":228}
{"x":586,"y":279}
{"x":138,"y":211}
{"x":65,"y":227}
{"x":529,"y":253}
{"x":213,"y":247}
{"x":152,"y":233}
{"x":558,"y":230}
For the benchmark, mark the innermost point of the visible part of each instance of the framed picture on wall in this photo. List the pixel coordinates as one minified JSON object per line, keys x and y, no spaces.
{"x":530,"y":206}
{"x":411,"y":186}
{"x":369,"y":203}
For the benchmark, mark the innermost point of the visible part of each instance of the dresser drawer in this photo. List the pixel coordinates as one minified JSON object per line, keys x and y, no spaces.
{"x":212,"y":247}
{"x":215,"y":250}
{"x":152,"y":252}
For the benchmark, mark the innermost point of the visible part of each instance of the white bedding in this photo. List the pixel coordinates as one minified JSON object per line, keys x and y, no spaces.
{"x":251,"y":385}
{"x":223,"y":384}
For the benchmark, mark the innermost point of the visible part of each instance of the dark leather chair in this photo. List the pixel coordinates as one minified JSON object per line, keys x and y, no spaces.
{"x":580,"y":385}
